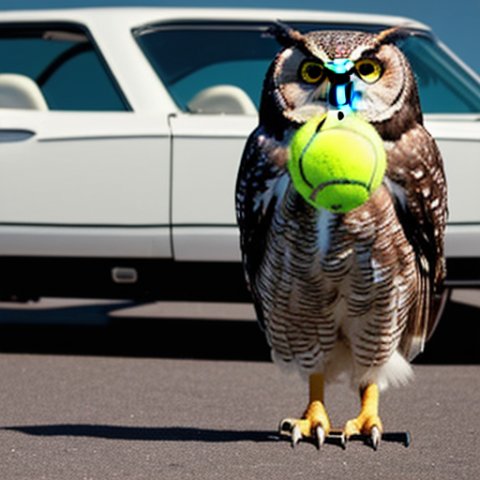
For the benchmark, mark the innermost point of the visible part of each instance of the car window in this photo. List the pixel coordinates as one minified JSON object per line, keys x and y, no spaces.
{"x":444,"y":86}
{"x":64,"y":64}
{"x":190,"y":58}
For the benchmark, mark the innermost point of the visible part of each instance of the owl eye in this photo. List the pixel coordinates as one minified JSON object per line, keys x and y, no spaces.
{"x":368,"y":70}
{"x":311,"y":71}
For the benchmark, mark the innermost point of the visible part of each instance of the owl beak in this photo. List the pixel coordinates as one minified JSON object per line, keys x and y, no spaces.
{"x":341,"y":92}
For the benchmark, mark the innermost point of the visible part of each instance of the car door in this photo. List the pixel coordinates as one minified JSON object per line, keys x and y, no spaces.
{"x":206,"y":152}
{"x":81,"y":174}
{"x":458,"y":138}
{"x":217,"y":91}
{"x":84,"y":184}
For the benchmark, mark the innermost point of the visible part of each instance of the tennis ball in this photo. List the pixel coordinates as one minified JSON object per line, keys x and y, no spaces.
{"x":337,"y":161}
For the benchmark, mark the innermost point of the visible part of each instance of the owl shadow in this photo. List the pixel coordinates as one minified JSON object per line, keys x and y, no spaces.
{"x":132,"y":433}
{"x":185,"y":434}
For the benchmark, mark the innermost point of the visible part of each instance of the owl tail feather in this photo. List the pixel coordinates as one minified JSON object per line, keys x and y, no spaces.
{"x":396,"y":372}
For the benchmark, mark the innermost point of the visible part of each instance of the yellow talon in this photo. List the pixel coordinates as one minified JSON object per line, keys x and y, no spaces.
{"x":368,"y":422}
{"x":314,"y":423}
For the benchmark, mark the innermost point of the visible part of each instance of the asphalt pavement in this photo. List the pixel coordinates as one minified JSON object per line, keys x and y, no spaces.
{"x":179,"y":398}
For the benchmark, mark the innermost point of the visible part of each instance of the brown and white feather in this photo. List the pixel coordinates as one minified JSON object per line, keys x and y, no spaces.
{"x":344,"y":293}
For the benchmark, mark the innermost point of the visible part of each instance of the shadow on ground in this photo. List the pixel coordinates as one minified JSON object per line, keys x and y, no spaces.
{"x":184,"y":434}
{"x":173,"y":434}
{"x":455,"y":341}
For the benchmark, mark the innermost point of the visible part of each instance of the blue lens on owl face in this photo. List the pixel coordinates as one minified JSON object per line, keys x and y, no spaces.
{"x":341,"y":93}
{"x":340,"y":66}
{"x":355,"y":100}
{"x":338,"y":95}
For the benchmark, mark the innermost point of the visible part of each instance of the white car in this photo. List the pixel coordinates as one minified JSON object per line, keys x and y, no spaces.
{"x":121,"y":131}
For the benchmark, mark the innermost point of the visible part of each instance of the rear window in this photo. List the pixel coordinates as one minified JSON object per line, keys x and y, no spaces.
{"x":64,"y":64}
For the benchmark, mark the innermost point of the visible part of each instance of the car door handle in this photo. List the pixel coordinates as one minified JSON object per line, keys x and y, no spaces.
{"x":15,"y":135}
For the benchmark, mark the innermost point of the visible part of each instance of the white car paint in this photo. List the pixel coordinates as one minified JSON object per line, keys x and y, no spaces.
{"x":81,"y":170}
{"x":204,"y":174}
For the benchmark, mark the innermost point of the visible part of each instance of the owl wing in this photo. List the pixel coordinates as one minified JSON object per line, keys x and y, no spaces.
{"x":416,"y":180}
{"x":261,"y":184}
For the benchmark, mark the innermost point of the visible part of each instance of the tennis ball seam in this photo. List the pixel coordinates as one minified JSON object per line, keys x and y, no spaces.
{"x":340,"y":181}
{"x":368,"y":185}
{"x":375,"y":163}
{"x":302,"y":155}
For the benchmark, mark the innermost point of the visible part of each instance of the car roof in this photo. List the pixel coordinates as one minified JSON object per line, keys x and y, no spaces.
{"x":137,"y":16}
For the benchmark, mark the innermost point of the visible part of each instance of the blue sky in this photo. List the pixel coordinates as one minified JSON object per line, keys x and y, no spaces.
{"x":454,"y":21}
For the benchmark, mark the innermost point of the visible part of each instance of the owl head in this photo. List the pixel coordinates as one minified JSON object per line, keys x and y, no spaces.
{"x":322,"y":70}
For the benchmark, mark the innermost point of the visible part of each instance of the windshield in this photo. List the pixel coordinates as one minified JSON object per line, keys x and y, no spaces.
{"x":190,"y":58}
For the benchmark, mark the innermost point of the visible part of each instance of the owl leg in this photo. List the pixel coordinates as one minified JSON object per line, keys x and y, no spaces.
{"x":314,"y":423}
{"x":368,"y":422}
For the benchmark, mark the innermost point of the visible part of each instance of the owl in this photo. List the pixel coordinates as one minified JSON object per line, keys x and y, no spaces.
{"x":343,"y":295}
